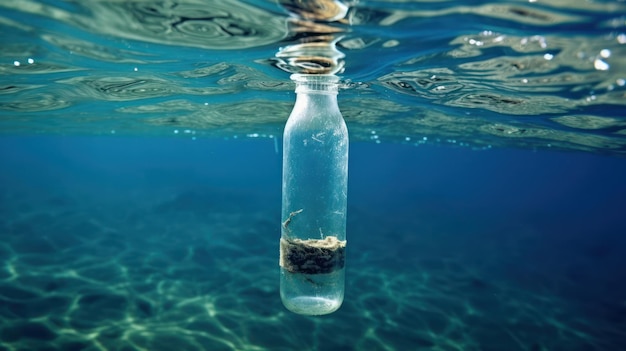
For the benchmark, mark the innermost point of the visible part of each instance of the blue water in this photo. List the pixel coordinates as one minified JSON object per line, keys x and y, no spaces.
{"x":140,"y":173}
{"x":171,"y":244}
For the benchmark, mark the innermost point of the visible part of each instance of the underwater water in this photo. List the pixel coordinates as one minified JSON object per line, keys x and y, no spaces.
{"x":167,"y":244}
{"x":140,"y":173}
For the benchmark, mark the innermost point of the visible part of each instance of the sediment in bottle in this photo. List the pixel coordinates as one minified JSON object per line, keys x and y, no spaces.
{"x":312,"y":256}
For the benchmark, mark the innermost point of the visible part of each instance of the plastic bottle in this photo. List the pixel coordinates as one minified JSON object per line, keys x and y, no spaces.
{"x":314,"y":199}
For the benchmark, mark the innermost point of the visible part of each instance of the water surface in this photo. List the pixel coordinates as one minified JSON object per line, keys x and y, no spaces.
{"x":537,"y":74}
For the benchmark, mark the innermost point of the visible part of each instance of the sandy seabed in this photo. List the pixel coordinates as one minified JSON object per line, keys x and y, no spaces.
{"x":171,"y":272}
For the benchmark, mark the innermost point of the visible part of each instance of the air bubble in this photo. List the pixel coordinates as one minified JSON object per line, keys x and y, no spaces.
{"x":600,"y":65}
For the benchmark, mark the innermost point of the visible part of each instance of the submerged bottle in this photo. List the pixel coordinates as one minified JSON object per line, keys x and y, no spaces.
{"x":314,"y":199}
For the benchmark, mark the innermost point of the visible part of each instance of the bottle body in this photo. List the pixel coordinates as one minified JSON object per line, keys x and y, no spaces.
{"x":314,"y":199}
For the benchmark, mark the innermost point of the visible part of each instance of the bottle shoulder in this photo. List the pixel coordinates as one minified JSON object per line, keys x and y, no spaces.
{"x":330,"y":118}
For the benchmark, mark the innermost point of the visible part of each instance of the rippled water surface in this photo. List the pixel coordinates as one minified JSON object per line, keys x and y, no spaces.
{"x":530,"y":74}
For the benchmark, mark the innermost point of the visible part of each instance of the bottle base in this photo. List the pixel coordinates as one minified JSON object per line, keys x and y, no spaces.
{"x":312,"y":305}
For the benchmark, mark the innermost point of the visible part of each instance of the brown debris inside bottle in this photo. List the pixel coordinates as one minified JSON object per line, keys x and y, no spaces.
{"x":312,"y":256}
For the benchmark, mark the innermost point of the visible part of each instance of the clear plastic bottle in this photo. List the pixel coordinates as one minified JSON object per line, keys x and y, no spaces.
{"x":314,"y":202}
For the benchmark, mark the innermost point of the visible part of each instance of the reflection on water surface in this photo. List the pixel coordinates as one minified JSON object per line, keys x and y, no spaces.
{"x":541,"y":74}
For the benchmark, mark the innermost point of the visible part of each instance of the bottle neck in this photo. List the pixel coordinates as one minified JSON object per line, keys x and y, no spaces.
{"x":316,"y":83}
{"x":317,"y":103}
{"x":316,"y":91}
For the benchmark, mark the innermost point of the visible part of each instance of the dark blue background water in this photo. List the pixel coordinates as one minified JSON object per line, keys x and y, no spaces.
{"x":449,"y":248}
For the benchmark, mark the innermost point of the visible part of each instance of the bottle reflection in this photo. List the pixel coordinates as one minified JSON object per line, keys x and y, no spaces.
{"x":316,"y":10}
{"x":316,"y":27}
